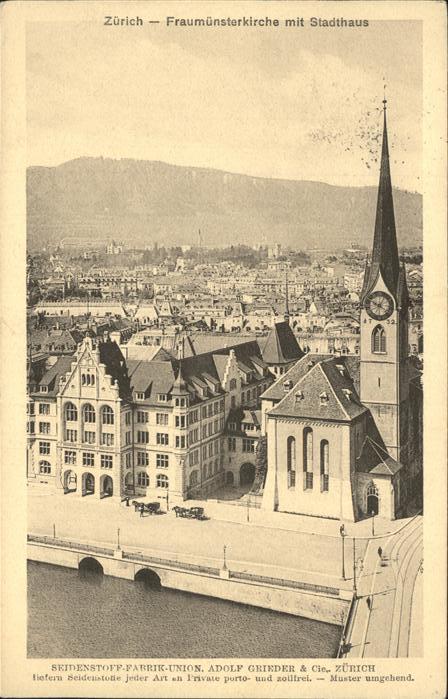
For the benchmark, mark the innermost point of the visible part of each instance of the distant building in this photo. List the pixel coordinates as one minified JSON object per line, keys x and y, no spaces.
{"x":114,"y":248}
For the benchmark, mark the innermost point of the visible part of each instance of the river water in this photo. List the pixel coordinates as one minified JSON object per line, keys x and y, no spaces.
{"x":70,"y":616}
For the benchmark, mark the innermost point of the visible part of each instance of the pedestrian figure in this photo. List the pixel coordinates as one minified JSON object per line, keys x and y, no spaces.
{"x":369,"y":602}
{"x":380,"y":552}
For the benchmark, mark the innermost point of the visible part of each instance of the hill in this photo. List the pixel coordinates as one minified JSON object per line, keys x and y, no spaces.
{"x":142,"y":202}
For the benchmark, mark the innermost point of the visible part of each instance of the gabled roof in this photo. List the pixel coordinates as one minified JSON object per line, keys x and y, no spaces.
{"x":276,"y":392}
{"x":321,"y":393}
{"x":281,"y":346}
{"x":150,"y":378}
{"x":51,"y":377}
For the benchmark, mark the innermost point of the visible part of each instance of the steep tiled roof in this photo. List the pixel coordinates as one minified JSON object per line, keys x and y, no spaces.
{"x":281,"y":346}
{"x":51,"y":377}
{"x":150,"y":378}
{"x":320,"y":394}
{"x":277,"y":391}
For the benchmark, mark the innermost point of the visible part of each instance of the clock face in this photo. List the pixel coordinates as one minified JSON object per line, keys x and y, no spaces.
{"x":379,"y":305}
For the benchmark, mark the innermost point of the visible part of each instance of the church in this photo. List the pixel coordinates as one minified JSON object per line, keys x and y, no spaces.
{"x":344,"y":434}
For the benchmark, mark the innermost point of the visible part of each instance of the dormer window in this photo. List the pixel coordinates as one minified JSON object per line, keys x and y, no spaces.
{"x":299,"y":396}
{"x":44,"y":389}
{"x":162,"y":397}
{"x":340,"y":368}
{"x":347,"y":393}
{"x":324,"y":398}
{"x":140,"y":395}
{"x":287,"y":385}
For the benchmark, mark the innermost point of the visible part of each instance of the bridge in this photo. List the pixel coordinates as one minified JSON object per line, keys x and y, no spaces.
{"x":385,"y":619}
{"x":295,"y":597}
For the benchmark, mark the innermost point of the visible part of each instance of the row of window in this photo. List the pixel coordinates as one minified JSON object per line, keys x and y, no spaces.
{"x":162,"y":460}
{"x":143,"y":480}
{"x":89,"y":413}
{"x":248,"y":445}
{"x":212,"y":428}
{"x":88,"y":459}
{"x":89,"y":437}
{"x":249,"y":395}
{"x":308,"y":461}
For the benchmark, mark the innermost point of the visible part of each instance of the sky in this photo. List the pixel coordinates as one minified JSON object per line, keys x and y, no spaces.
{"x":285,"y":103}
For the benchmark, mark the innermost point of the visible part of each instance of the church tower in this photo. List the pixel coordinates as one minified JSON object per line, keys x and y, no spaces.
{"x":384,"y":378}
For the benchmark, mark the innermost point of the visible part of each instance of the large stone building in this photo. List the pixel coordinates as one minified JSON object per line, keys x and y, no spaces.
{"x":344,"y":434}
{"x":104,"y":425}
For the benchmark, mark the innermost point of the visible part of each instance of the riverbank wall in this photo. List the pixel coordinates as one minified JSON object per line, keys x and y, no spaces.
{"x":304,"y":599}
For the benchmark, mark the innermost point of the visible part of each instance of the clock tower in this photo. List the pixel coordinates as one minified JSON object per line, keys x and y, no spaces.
{"x":384,"y":376}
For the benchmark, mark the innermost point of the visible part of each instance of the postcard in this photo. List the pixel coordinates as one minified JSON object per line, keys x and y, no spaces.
{"x":224,"y":349}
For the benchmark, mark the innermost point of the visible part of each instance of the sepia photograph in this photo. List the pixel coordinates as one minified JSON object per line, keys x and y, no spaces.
{"x":224,"y":342}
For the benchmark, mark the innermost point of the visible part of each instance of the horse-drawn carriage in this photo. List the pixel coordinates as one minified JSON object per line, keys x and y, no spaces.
{"x":190,"y":512}
{"x":152,"y":508}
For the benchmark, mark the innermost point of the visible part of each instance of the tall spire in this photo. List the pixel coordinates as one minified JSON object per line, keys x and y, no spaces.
{"x":286,"y":298}
{"x":384,"y":258}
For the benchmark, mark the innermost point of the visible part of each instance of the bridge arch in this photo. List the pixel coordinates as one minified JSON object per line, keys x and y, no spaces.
{"x":149,"y":578}
{"x":90,"y":565}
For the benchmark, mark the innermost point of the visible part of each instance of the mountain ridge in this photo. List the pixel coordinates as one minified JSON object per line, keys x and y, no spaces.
{"x":145,"y":201}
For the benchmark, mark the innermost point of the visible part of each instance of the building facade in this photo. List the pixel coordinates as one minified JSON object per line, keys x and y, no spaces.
{"x":106,"y":426}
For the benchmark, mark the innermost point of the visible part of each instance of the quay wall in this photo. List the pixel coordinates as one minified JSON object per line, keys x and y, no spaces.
{"x":321,"y":606}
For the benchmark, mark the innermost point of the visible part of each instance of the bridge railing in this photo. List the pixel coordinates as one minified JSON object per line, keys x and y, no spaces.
{"x":194,"y":567}
{"x":282,"y":582}
{"x":64,"y":543}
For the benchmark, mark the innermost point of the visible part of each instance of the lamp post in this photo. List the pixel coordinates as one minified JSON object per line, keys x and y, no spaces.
{"x":248,"y":505}
{"x":343,"y":535}
{"x":224,"y":557}
{"x":118,"y":539}
{"x":373,"y":522}
{"x":355,"y":591}
{"x":54,"y":531}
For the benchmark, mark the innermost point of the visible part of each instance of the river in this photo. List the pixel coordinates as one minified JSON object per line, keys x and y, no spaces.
{"x":70,"y":616}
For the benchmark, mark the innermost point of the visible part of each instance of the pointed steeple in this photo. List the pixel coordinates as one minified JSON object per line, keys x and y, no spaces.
{"x":384,"y":257}
{"x":286,"y":316}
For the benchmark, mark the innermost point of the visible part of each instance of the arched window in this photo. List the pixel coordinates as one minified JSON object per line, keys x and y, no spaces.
{"x":162,"y":481}
{"x":378,"y":340}
{"x":44,"y":467}
{"x":89,"y":413}
{"x":232,"y":384}
{"x":324,"y":459}
{"x":193,"y":478}
{"x":71,"y":412}
{"x":107,"y":415}
{"x":291,"y":461}
{"x":88,"y":379}
{"x":142,"y":479}
{"x":308,"y":458}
